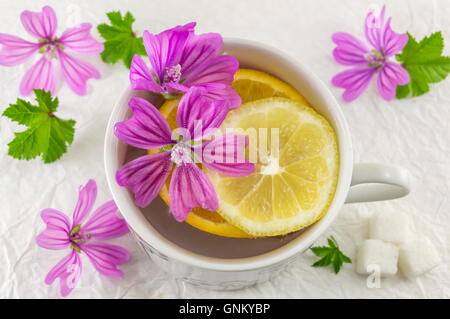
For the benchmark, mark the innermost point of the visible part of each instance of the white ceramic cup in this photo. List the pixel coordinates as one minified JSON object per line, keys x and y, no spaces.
{"x":356,"y":183}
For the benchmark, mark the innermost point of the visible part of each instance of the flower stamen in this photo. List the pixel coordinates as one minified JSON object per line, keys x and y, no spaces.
{"x":77,"y":237}
{"x":181,"y":154}
{"x":50,"y":48}
{"x":173,"y":74}
{"x":375,"y":58}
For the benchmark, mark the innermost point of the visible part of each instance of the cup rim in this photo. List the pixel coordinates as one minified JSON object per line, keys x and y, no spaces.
{"x":142,"y":227}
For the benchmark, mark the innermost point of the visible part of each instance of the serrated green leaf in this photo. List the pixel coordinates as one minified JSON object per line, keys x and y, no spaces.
{"x":332,"y":242}
{"x":320,"y":251}
{"x":346,"y":259}
{"x":23,"y":112}
{"x":325,"y":261}
{"x":47,"y":135}
{"x":336,"y":262}
{"x":330,"y":255}
{"x":121,"y":41}
{"x":25,"y":145}
{"x":425,"y":64}
{"x":61,"y":134}
{"x":45,"y":101}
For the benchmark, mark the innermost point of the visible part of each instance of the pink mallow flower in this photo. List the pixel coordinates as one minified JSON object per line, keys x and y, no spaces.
{"x":79,"y":234}
{"x":42,"y":75}
{"x":179,"y":59}
{"x":197,"y":118}
{"x":368,"y":61}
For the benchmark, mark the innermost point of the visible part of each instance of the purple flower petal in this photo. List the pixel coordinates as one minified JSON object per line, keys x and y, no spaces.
{"x":76,"y":72}
{"x":146,"y":129}
{"x":145,"y":176}
{"x":393,"y":42}
{"x":15,"y":50}
{"x":225,"y":155}
{"x":354,"y":81}
{"x":220,"y":69}
{"x":372,"y":28}
{"x":220,"y":91}
{"x":216,"y":75}
{"x":164,"y":49}
{"x":141,"y":77}
{"x":56,"y":234}
{"x":79,"y":40}
{"x":349,"y":50}
{"x":176,"y":87}
{"x":379,"y":34}
{"x":104,"y":223}
{"x":199,"y":115}
{"x":41,"y":25}
{"x":40,"y":76}
{"x":105,"y":258}
{"x":86,"y":199}
{"x":68,"y":270}
{"x":198,"y":50}
{"x":189,"y":27}
{"x":189,"y":188}
{"x":391,"y":75}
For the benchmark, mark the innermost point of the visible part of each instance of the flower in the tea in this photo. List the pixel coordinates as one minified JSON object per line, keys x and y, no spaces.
{"x":368,"y":61}
{"x":42,"y":75}
{"x":180,"y":59}
{"x":198,"y":117}
{"x":81,"y":235}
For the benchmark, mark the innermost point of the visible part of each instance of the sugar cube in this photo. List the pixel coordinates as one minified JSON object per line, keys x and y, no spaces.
{"x":374,"y":254}
{"x":392,"y":227}
{"x":417,"y":257}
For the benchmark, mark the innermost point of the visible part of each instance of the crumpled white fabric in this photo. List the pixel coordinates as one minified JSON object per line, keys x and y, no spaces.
{"x":413,"y":133}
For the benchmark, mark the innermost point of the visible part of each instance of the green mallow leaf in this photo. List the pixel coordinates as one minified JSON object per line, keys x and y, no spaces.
{"x":330,"y":255}
{"x":121,"y":42}
{"x":425,"y":64}
{"x":47,"y":135}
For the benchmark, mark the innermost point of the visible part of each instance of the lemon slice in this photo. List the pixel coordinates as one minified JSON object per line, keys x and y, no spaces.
{"x":294,"y":181}
{"x":253,"y":85}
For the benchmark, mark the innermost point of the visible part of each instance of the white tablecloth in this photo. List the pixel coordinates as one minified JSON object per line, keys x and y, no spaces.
{"x":414,"y":133}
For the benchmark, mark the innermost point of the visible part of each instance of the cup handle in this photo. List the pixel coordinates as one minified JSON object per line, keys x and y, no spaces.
{"x":376,"y":182}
